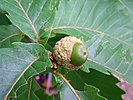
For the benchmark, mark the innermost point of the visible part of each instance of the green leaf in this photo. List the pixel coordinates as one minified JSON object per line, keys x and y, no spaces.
{"x":41,"y":92}
{"x":8,"y":35}
{"x":14,"y":62}
{"x":41,"y":95}
{"x":128,"y":4}
{"x":83,"y":90}
{"x":105,"y":83}
{"x":28,"y":92}
{"x":89,"y":93}
{"x":4,"y":20}
{"x":104,"y":58}
{"x":37,"y":67}
{"x":113,"y":19}
{"x":29,"y":15}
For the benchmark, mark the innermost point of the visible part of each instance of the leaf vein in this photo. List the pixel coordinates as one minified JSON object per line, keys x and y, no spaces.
{"x":8,"y":37}
{"x":91,"y":12}
{"x":38,"y":14}
{"x":29,"y":6}
{"x":125,"y":6}
{"x":60,"y":16}
{"x":104,"y":66}
{"x":101,"y":14}
{"x":112,"y":56}
{"x":106,"y":19}
{"x":20,"y":77}
{"x":29,"y":89}
{"x":127,"y":33}
{"x":69,"y":20}
{"x":109,"y":27}
{"x":93,"y":30}
{"x":80,"y":13}
{"x":32,"y":25}
{"x":120,"y":28}
{"x":127,"y":69}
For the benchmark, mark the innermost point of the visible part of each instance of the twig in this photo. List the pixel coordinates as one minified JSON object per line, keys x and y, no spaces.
{"x":66,"y":81}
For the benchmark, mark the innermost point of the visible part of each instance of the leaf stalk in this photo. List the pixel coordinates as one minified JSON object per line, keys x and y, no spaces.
{"x":67,"y":82}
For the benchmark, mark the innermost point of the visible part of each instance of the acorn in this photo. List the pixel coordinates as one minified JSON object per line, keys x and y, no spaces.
{"x":70,"y":53}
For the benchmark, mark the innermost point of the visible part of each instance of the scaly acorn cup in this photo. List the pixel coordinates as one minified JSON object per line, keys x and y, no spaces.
{"x":70,"y":53}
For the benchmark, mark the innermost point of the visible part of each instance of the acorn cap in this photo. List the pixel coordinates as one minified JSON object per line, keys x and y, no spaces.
{"x":63,"y":52}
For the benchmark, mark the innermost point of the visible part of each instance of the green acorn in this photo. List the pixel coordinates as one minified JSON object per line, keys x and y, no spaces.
{"x":70,"y":52}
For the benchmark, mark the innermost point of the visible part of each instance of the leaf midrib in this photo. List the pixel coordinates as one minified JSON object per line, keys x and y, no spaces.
{"x":122,"y":2}
{"x":20,"y":77}
{"x":28,"y":18}
{"x":93,"y":30}
{"x":8,"y":37}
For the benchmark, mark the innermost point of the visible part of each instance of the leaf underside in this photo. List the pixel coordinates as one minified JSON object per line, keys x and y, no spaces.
{"x":29,"y":15}
{"x":111,"y":51}
{"x":14,"y":62}
{"x":105,"y":83}
{"x":8,"y":35}
{"x":89,"y":93}
{"x":110,"y":59}
{"x":113,"y":19}
{"x":37,"y":67}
